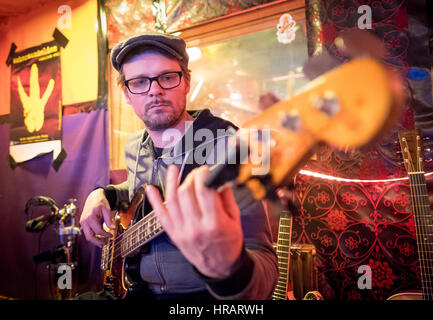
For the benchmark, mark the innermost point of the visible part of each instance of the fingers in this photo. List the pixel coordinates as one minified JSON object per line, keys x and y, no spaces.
{"x":229,"y":202}
{"x":206,"y":198}
{"x":214,"y":204}
{"x":97,"y":233}
{"x":96,"y":209}
{"x":93,"y":231}
{"x":108,"y":217}
{"x":188,"y":199}
{"x":158,"y":206}
{"x":47,"y":92}
{"x":34,"y":90}
{"x":171,"y":196}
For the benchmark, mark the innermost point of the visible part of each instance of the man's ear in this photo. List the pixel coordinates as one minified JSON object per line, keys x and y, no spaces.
{"x":126,"y":94}
{"x":187,"y":86}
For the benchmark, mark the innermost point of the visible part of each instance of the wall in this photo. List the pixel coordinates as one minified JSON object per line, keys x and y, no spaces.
{"x":84,"y":138}
{"x":79,"y":60}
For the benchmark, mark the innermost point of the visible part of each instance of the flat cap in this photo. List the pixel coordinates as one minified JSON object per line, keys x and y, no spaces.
{"x":171,"y":44}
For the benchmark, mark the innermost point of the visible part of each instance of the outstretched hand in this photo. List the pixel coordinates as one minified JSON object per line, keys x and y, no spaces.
{"x":33,"y":104}
{"x":204,"y":224}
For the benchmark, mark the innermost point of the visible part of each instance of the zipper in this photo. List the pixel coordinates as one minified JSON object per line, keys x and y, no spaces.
{"x":155,"y":171}
{"x":158,"y":269}
{"x":157,"y":264}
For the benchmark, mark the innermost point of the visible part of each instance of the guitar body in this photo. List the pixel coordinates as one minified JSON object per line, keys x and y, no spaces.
{"x":122,"y":274}
{"x":415,"y":295}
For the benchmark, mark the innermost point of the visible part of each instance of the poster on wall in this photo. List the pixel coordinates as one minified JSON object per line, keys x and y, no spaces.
{"x":36,"y":102}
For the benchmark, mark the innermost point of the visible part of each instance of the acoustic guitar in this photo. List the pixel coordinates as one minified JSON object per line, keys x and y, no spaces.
{"x":348,"y":106}
{"x":412,"y":152}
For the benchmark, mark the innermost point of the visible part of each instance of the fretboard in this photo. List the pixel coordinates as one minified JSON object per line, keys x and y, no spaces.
{"x":424,"y":231}
{"x":139,"y":234}
{"x":283,"y":254}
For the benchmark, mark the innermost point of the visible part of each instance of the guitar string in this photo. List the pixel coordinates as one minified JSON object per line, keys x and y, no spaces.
{"x":425,"y":232}
{"x":427,"y":252}
{"x":415,"y":199}
{"x":419,"y":221}
{"x":118,"y":250}
{"x":128,"y":233}
{"x":424,"y":217}
{"x":149,"y":216}
{"x":412,"y":168}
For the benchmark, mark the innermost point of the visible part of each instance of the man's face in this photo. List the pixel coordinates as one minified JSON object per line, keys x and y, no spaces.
{"x":159,"y":108}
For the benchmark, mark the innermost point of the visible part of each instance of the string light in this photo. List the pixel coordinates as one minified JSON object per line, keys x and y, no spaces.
{"x":328,"y":177}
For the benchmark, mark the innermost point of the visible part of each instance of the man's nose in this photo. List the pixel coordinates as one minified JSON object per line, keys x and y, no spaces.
{"x":155,"y":88}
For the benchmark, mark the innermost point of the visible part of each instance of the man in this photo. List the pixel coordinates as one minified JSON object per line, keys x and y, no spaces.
{"x":216,"y":244}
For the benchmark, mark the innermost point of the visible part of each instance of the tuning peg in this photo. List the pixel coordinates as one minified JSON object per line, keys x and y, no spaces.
{"x":426,"y":138}
{"x":329,"y":104}
{"x":290,"y":121}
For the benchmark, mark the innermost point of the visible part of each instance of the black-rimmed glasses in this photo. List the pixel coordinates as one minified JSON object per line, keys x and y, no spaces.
{"x":168,"y":80}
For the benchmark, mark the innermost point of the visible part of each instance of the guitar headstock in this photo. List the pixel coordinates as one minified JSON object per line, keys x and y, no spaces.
{"x":412,"y":150}
{"x":347,"y":107}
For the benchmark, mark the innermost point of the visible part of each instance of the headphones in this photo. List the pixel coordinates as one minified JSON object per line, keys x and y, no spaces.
{"x":38,"y":224}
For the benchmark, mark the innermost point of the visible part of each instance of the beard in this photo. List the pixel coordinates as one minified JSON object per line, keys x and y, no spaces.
{"x":164,"y":118}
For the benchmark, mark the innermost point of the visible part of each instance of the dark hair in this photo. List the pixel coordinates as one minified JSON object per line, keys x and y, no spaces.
{"x":139,"y":50}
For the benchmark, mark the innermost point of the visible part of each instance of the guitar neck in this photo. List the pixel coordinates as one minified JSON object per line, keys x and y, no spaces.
{"x":144,"y":231}
{"x":283,"y":254}
{"x":424,"y":230}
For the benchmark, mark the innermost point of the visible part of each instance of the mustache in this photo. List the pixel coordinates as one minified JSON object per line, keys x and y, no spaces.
{"x":149,"y":105}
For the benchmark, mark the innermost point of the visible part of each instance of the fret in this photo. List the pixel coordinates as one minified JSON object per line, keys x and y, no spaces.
{"x":282,"y":245}
{"x":282,"y":251}
{"x":280,"y":293}
{"x":283,"y":242}
{"x":282,"y":281}
{"x":285,"y":232}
